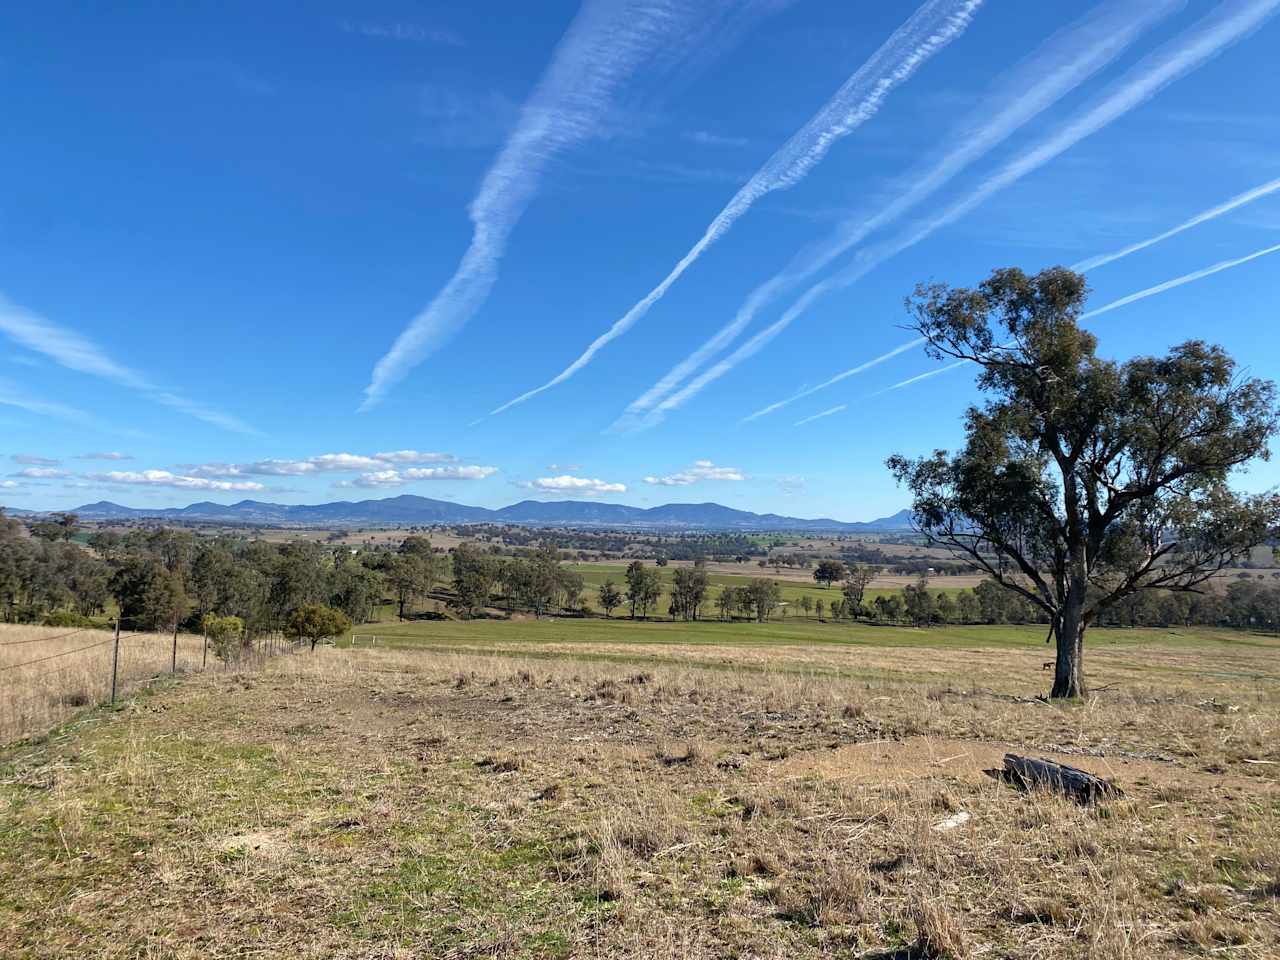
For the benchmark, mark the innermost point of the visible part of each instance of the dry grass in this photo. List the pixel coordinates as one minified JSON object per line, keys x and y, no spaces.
{"x":73,"y":671}
{"x":388,"y":803}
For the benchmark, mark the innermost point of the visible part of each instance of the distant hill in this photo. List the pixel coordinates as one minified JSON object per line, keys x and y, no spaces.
{"x":412,"y":510}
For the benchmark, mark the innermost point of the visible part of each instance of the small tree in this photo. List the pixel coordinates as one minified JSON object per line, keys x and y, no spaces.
{"x":315,"y":622}
{"x":855,"y":587}
{"x":765,"y":596}
{"x":828,"y":572}
{"x":224,"y":635}
{"x":474,"y":575}
{"x":164,"y":601}
{"x":806,"y":604}
{"x":727,"y":602}
{"x":1084,"y":481}
{"x":919,"y":602}
{"x":610,"y":598}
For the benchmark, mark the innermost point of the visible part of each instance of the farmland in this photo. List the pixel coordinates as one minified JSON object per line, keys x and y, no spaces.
{"x":793,"y":584}
{"x":583,"y":787}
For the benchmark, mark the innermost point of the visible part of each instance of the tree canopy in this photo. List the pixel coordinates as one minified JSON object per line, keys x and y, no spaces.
{"x":315,"y":622}
{"x":1083,"y":480}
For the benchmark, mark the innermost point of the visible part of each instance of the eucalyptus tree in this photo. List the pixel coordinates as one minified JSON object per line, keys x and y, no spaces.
{"x":1082,"y":480}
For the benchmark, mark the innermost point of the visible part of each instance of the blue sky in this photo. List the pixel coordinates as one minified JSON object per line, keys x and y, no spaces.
{"x":308,"y":253}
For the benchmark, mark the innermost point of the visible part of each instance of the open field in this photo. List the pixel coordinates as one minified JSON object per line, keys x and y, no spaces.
{"x":795,"y":584}
{"x":604,"y":789}
{"x":49,"y":673}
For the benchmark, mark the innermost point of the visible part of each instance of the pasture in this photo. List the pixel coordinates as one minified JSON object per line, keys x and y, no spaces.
{"x":50,"y":673}
{"x":793,"y":583}
{"x":588,"y":788}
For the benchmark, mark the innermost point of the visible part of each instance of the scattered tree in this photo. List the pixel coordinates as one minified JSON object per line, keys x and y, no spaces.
{"x":1084,"y":481}
{"x":828,"y":572}
{"x":315,"y":622}
{"x":610,"y":598}
{"x":855,"y":586}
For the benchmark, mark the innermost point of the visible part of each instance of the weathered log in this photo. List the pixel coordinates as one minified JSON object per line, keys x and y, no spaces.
{"x":1027,"y":773}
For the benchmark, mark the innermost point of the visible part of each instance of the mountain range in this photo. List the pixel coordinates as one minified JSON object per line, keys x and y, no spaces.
{"x":411,"y":510}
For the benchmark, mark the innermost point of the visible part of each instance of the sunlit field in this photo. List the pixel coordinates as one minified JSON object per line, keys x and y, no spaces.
{"x":794,"y":586}
{"x":48,"y":673}
{"x":558,"y":788}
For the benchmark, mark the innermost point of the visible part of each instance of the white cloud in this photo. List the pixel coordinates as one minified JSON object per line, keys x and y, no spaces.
{"x":449,"y":473}
{"x":328,"y":463}
{"x":392,"y":477}
{"x":700,"y":471}
{"x":42,"y":473}
{"x":105,"y":455}
{"x":570,"y":484}
{"x":564,"y":467}
{"x":415,"y":456}
{"x":33,"y":460}
{"x":163,"y":478}
{"x":9,"y":484}
{"x":378,"y":478}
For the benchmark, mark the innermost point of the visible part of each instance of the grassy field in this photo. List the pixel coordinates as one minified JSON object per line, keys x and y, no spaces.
{"x":595,"y":574}
{"x":50,"y":673}
{"x":586,"y":788}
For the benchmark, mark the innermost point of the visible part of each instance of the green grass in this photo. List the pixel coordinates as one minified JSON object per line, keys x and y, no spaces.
{"x":789,"y":631}
{"x":595,"y":574}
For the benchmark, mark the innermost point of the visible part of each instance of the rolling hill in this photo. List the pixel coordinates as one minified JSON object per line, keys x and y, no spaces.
{"x":409,"y":510}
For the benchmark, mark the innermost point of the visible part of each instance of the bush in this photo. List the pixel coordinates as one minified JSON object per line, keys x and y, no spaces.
{"x":315,"y":622}
{"x":66,"y":618}
{"x":225,"y":635}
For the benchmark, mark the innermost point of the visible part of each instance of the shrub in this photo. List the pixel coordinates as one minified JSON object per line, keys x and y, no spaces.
{"x":66,"y":618}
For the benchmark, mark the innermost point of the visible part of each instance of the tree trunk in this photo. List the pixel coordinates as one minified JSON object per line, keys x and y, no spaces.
{"x":1068,"y":678}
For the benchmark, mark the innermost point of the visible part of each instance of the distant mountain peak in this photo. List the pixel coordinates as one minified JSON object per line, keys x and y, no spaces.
{"x":410,"y":509}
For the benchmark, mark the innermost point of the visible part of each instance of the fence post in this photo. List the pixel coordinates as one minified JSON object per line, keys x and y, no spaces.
{"x":115,"y":661}
{"x":204,"y":660}
{"x":174,"y":667}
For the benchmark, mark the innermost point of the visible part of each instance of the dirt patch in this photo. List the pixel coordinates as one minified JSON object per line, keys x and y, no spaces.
{"x":259,"y":844}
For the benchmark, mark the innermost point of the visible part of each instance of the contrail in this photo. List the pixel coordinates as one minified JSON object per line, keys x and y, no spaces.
{"x":607,"y":43}
{"x":1124,"y":301}
{"x":70,"y":349}
{"x":1228,"y":23}
{"x":923,"y":376}
{"x":1179,"y":281}
{"x":1057,"y":67}
{"x":853,"y":371}
{"x":1212,"y":213}
{"x":819,"y":416}
{"x":934,"y":25}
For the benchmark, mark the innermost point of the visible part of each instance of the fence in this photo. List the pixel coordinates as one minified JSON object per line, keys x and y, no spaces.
{"x":47,"y":674}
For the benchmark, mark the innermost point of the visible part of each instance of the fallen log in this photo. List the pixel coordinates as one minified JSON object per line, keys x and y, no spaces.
{"x":1027,"y":773}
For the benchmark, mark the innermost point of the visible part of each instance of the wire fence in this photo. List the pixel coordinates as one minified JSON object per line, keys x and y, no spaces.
{"x":47,"y":675}
{"x":61,"y":636}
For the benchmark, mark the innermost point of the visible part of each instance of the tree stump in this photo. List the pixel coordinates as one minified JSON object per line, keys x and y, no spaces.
{"x":1027,"y":773}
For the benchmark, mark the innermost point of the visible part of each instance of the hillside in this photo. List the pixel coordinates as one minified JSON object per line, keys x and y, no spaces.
{"x":412,"y":510}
